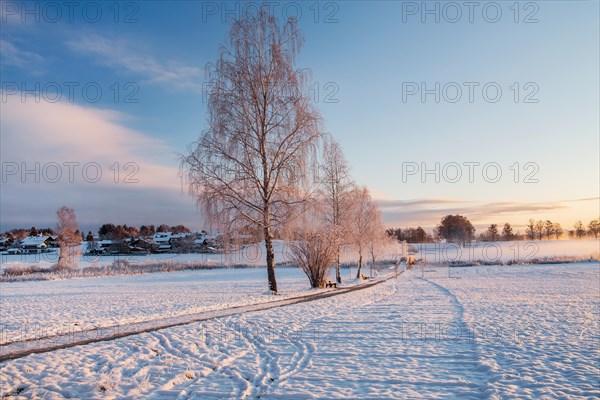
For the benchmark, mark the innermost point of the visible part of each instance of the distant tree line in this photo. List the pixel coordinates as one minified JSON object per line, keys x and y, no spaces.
{"x":458,"y":229}
{"x":493,"y":234}
{"x":17,"y":234}
{"x":106,"y":231}
{"x":538,"y":230}
{"x":117,"y":232}
{"x":410,"y":235}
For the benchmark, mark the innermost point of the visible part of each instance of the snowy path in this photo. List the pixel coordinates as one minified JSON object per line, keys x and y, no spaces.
{"x":77,"y":337}
{"x":519,"y":332}
{"x":402,"y":346}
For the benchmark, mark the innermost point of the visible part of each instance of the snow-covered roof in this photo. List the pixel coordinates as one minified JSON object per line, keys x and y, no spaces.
{"x":105,"y":242}
{"x":3,"y":239}
{"x":162,"y":237}
{"x":37,"y":241}
{"x":140,"y":239}
{"x":212,"y":235}
{"x":180,"y":235}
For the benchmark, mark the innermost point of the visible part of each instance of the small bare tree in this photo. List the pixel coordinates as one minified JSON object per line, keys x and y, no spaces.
{"x":507,"y":232}
{"x":492,"y":233}
{"x":336,"y":185}
{"x":549,"y":229}
{"x":314,"y":253}
{"x":530,"y":230}
{"x":380,"y":242}
{"x":250,"y":167}
{"x":365,"y":222}
{"x":594,"y":227}
{"x":579,"y":229}
{"x":558,"y":230}
{"x":68,"y":239}
{"x":539,"y":229}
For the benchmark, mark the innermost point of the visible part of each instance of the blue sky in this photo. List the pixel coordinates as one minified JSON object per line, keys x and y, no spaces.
{"x":366,"y":61}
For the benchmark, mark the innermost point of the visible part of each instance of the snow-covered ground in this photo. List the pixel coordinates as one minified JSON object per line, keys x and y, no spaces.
{"x":504,"y":332}
{"x":38,"y":309}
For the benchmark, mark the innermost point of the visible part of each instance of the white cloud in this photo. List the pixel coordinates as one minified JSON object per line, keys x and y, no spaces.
{"x":120,"y":54}
{"x":47,"y":138}
{"x":65,"y":132}
{"x":14,"y":57}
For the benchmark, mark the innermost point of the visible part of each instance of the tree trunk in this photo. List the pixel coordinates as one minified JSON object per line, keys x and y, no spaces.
{"x":61,"y":260}
{"x":359,"y":265}
{"x":338,"y":274}
{"x":270,"y":260}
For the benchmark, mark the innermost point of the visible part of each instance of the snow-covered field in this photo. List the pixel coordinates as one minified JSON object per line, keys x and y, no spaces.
{"x":38,"y":309}
{"x":492,"y":332}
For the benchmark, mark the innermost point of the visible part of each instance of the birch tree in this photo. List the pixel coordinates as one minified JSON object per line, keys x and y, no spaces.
{"x":250,"y":166}
{"x":380,"y":242}
{"x":68,"y":239}
{"x":336,"y":185}
{"x":365,"y":222}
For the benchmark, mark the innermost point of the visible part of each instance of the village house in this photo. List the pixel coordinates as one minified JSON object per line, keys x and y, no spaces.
{"x":36,"y":244}
{"x":163,"y":241}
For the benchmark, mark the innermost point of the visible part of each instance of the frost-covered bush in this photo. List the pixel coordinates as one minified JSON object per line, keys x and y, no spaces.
{"x":314,"y":252}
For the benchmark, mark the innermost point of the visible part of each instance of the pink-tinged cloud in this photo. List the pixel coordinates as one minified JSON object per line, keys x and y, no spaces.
{"x":77,"y":141}
{"x":125,"y":56}
{"x":67,"y":133}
